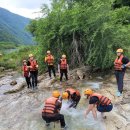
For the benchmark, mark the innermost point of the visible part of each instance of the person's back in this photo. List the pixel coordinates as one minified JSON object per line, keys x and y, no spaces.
{"x":51,"y":110}
{"x":73,"y":97}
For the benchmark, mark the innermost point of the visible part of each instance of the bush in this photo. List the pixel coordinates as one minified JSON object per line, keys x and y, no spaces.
{"x":88,"y":31}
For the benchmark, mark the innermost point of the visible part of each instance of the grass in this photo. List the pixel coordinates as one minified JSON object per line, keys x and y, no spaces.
{"x":14,"y":60}
{"x":8,"y":45}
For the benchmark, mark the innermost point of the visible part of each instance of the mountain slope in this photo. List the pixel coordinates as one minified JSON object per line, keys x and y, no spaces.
{"x":13,"y":28}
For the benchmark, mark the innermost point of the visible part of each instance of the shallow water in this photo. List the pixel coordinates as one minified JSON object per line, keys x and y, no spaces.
{"x":93,"y":85}
{"x":76,"y":120}
{"x":22,"y":111}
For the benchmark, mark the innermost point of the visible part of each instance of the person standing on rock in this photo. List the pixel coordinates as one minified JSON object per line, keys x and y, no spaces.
{"x":96,"y":100}
{"x":51,"y":110}
{"x":73,"y":97}
{"x":63,"y":68}
{"x":49,"y":59}
{"x":33,"y":66}
{"x":26,"y":73}
{"x":120,"y":64}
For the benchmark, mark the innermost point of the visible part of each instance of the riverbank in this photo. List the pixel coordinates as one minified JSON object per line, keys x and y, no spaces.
{"x":12,"y":58}
{"x":22,"y":109}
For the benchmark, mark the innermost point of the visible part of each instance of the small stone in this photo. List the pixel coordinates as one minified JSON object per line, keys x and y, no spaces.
{"x":14,"y":82}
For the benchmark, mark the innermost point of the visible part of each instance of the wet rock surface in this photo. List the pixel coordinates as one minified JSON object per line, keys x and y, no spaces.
{"x":21,"y":108}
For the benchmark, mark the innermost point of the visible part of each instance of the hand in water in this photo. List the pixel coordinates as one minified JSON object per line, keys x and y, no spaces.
{"x":85,"y":115}
{"x":96,"y":119}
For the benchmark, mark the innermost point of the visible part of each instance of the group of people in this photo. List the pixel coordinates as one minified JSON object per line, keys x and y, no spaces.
{"x":63,"y":66}
{"x":30,"y":71}
{"x":51,"y":110}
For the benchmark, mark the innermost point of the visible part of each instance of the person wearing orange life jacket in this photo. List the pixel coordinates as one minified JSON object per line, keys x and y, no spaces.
{"x":51,"y":110}
{"x":96,"y":100}
{"x":63,"y":67}
{"x":120,"y":64}
{"x":49,"y":59}
{"x":73,"y":97}
{"x":33,"y":66}
{"x":26,"y":74}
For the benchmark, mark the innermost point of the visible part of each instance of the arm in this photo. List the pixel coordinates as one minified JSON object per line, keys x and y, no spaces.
{"x":29,"y":65}
{"x":90,"y":108}
{"x":58,"y":105}
{"x":59,"y":66}
{"x":53,"y":57}
{"x":37,"y":64}
{"x":45,"y":59}
{"x":23,"y":73}
{"x":128,"y":64}
{"x":94,"y":113}
{"x":68,"y":67}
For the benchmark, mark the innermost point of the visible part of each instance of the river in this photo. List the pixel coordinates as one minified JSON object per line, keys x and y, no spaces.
{"x":22,"y":110}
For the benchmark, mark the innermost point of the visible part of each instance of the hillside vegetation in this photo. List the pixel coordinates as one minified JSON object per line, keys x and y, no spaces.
{"x":87,"y":31}
{"x":14,"y":60}
{"x":13,"y":28}
{"x":7,"y":45}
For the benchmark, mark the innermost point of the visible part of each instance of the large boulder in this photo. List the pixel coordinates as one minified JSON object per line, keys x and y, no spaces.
{"x":16,"y":88}
{"x":81,"y":73}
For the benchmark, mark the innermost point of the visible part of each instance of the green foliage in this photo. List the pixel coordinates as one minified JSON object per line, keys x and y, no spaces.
{"x":14,"y":59}
{"x":7,"y":45}
{"x":88,"y":32}
{"x":120,"y":3}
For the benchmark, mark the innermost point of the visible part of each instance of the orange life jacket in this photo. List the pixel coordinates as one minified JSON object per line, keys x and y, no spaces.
{"x":50,"y":105}
{"x":72,"y":91}
{"x":63,"y":64}
{"x":118,"y":63}
{"x":33,"y":64}
{"x":102,"y":99}
{"x":49,"y":59}
{"x":25,"y":70}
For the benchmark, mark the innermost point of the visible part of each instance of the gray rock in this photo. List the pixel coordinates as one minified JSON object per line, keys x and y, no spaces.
{"x":14,"y":82}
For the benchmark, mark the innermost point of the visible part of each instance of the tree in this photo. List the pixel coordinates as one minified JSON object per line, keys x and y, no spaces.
{"x":88,"y":32}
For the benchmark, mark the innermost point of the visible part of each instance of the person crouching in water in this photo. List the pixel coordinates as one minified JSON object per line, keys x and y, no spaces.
{"x":51,"y":110}
{"x":96,"y":100}
{"x":26,"y":73}
{"x":73,"y":97}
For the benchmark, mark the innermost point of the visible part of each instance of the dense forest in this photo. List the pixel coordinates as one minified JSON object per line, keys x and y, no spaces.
{"x":87,"y":31}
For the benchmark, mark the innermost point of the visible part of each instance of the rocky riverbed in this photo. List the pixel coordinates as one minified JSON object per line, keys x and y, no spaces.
{"x":20,"y":108}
